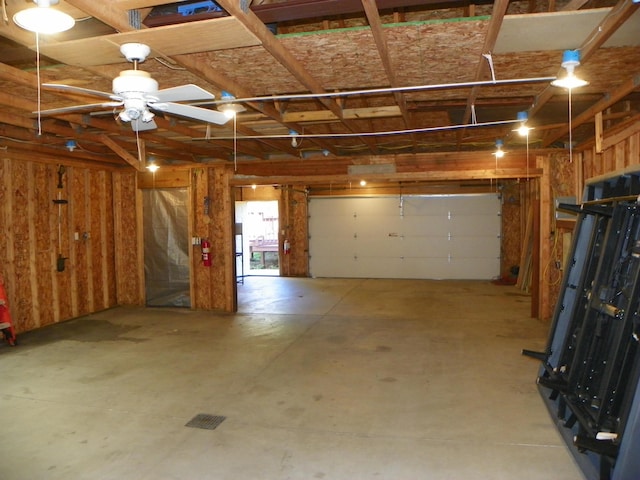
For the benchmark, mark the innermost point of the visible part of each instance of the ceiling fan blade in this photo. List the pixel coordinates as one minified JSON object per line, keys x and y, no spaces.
{"x":79,"y":90}
{"x":77,"y":108}
{"x":196,"y":113}
{"x":138,"y":125}
{"x":183,"y":93}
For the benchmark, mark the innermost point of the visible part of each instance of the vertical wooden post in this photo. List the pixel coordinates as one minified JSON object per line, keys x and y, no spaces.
{"x":545,"y":238}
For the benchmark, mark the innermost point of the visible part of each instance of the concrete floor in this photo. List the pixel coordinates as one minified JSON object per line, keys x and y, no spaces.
{"x":317,"y":378}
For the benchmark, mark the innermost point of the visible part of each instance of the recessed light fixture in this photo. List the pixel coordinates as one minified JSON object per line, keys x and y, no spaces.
{"x":43,"y":19}
{"x":570,"y":60}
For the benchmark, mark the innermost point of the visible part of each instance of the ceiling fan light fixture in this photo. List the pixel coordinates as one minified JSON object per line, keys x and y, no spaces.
{"x":570,"y":60}
{"x":43,"y":19}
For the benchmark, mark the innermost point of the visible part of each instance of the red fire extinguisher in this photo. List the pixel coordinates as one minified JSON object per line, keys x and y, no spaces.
{"x":206,"y":252}
{"x":286,"y":247}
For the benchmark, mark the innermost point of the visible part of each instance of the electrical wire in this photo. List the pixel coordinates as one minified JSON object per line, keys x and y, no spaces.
{"x":38,"y":80}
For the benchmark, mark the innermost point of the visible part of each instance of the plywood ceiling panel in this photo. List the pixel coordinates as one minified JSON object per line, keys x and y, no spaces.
{"x":192,"y":37}
{"x":541,"y":31}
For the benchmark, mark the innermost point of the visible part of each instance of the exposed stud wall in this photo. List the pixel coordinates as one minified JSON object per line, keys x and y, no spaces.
{"x":294,"y":226}
{"x":511,"y":241}
{"x":213,"y":287}
{"x":129,"y":266}
{"x":621,"y":151}
{"x":36,"y":231}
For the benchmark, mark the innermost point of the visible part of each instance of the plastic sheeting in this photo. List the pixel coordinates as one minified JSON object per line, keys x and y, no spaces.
{"x":166,"y":247}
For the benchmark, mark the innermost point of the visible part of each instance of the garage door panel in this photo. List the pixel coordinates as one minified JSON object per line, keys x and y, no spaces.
{"x":473,"y":204}
{"x":475,"y":225}
{"x":383,"y":246}
{"x":473,"y":247}
{"x":455,"y":237}
{"x":427,"y":223}
{"x":383,"y":225}
{"x":425,"y":246}
{"x":419,"y":206}
{"x":326,"y":246}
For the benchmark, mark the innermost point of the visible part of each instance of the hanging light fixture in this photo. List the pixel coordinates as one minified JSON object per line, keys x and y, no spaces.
{"x":570,"y":60}
{"x":43,"y":19}
{"x":229,"y":108}
{"x":523,"y":129}
{"x":294,"y":138}
{"x":153,"y":167}
{"x":499,"y":153}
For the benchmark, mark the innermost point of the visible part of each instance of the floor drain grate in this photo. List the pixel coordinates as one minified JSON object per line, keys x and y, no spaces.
{"x":206,"y":421}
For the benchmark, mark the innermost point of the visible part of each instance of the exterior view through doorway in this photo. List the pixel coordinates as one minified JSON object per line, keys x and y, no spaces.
{"x":166,"y":247}
{"x":257,"y":244}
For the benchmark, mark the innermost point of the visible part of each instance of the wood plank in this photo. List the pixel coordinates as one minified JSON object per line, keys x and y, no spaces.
{"x":538,"y":31}
{"x":165,"y":178}
{"x":122,"y":153}
{"x":598,"y":135}
{"x":109,"y":13}
{"x":135,"y":4}
{"x":444,"y":175}
{"x":192,"y":37}
{"x":32,"y":239}
{"x":348,"y":113}
{"x":497,"y":17}
{"x":371,"y":10}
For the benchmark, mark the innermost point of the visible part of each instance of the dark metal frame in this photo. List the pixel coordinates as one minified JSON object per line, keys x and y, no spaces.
{"x":590,"y":370}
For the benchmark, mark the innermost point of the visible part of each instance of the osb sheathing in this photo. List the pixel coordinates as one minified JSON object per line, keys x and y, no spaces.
{"x":213,"y":287}
{"x":563,"y":181}
{"x":294,"y":228}
{"x":128,"y":251}
{"x":511,"y":237}
{"x":36,"y":231}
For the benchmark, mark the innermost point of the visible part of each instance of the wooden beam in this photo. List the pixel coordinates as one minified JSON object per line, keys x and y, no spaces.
{"x":497,"y":16}
{"x":122,"y":153}
{"x":110,"y":13}
{"x":373,"y":17}
{"x":349,"y":113}
{"x":439,"y":176}
{"x":599,"y":136}
{"x":304,"y":9}
{"x":607,"y":27}
{"x":277,"y":50}
{"x":573,"y":5}
{"x":200,"y":66}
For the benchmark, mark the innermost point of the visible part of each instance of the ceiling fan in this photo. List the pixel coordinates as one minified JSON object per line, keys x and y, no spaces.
{"x":138,"y":94}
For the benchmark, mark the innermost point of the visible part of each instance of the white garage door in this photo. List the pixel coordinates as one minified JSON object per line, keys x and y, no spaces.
{"x":431,"y":237}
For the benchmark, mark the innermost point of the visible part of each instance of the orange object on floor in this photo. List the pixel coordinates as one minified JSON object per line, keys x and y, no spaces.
{"x":6,"y":325}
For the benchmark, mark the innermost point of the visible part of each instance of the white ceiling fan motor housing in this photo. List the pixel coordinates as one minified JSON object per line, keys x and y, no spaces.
{"x":136,"y":88}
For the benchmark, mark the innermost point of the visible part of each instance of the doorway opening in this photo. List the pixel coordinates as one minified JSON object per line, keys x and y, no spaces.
{"x":166,"y":247}
{"x":258,"y":242}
